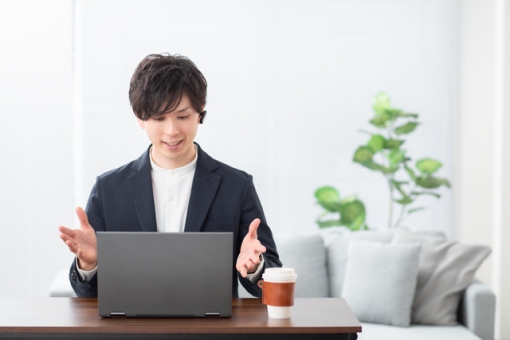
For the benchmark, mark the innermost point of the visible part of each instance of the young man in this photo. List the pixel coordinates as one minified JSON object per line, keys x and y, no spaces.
{"x":174,"y":186}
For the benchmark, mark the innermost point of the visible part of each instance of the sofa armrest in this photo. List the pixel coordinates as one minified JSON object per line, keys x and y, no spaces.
{"x":61,"y":286}
{"x":478,"y":310}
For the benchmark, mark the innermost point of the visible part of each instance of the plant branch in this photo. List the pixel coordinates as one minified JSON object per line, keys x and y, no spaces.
{"x":404,"y":208}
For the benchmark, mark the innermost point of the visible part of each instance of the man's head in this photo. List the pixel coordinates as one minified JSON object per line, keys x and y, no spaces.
{"x":160,"y":81}
{"x":168,"y":95}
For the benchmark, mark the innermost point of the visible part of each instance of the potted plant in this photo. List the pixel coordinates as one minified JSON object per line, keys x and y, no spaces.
{"x":385,"y":154}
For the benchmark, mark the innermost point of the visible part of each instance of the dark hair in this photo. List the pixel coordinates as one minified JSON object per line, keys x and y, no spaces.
{"x":160,"y":81}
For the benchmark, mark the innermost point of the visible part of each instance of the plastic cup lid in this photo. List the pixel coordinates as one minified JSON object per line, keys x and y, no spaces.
{"x":279,"y":274}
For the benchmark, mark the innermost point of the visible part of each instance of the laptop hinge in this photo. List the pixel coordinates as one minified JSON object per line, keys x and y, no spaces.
{"x":212,"y":314}
{"x":117,"y":313}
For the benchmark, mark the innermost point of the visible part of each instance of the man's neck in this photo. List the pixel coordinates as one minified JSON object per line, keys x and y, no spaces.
{"x":165,"y":163}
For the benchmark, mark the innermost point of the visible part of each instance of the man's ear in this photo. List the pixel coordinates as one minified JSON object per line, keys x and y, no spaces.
{"x":141,"y":123}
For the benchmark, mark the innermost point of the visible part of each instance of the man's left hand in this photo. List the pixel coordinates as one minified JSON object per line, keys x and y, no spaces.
{"x":251,"y":248}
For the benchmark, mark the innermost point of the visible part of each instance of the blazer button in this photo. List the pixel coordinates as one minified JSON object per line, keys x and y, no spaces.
{"x":73,"y":276}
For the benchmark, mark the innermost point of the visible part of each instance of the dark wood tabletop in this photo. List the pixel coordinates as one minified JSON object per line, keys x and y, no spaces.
{"x":55,"y":316}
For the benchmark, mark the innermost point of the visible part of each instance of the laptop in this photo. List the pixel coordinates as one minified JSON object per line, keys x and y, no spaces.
{"x":148,"y":274}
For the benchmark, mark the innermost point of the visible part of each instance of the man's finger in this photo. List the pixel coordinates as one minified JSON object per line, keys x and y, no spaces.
{"x":260,"y":248}
{"x":65,"y":238}
{"x":241,"y":268}
{"x":252,"y":232}
{"x":72,"y":247}
{"x":82,"y":216}
{"x":244,"y":271}
{"x":66,"y":231}
{"x":255,"y":259}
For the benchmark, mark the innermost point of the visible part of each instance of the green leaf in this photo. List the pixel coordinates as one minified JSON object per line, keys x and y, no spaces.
{"x":410,"y":172}
{"x":404,"y":201}
{"x":350,"y":211}
{"x":405,"y":197}
{"x":358,"y":223}
{"x":393,"y":114}
{"x":381,"y":103}
{"x":380,"y":121}
{"x":376,"y":143}
{"x":406,"y":128}
{"x":430,"y":182}
{"x":428,"y":165}
{"x":410,"y":211}
{"x":349,"y":199}
{"x":425,"y":193}
{"x":379,"y":167}
{"x":405,"y":114}
{"x":327,"y":194}
{"x":393,"y":143}
{"x":398,"y":185}
{"x":327,"y":224}
{"x":328,"y":197}
{"x":396,"y":156}
{"x":363,"y":154}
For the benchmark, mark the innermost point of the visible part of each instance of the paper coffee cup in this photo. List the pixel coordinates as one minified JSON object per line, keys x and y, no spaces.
{"x":278,"y":291}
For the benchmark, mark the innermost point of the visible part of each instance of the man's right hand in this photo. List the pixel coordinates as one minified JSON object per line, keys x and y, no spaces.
{"x":82,"y":242}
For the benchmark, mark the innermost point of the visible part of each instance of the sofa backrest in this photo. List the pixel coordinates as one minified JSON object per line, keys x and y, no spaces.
{"x":305,"y":253}
{"x":320,"y":258}
{"x":337,"y":242}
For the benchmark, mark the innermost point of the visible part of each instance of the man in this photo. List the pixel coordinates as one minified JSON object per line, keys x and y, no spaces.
{"x":174,"y":186}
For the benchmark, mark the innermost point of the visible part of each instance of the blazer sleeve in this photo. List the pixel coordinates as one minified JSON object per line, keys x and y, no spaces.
{"x":252,"y":209}
{"x":95,"y":215}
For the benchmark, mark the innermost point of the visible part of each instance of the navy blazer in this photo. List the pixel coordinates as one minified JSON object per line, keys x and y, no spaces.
{"x":222,"y":199}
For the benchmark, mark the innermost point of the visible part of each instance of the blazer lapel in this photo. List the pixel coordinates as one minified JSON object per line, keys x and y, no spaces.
{"x":203,"y":190}
{"x":141,"y":186}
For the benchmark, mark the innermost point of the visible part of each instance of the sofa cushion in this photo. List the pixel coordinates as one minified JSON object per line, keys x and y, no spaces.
{"x":446,"y":269}
{"x":337,"y":240}
{"x":380,"y":280}
{"x":372,"y":331}
{"x":307,"y":255}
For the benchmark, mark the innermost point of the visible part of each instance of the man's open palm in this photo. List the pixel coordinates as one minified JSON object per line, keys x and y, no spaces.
{"x":82,"y":242}
{"x":251,"y":248}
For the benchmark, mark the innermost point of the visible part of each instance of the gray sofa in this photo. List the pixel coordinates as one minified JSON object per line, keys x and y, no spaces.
{"x":320,"y":260}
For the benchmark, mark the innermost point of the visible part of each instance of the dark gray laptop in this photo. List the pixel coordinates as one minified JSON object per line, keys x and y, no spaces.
{"x":145,"y":274}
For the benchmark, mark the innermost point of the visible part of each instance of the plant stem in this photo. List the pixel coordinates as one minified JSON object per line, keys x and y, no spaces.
{"x":404,"y":208}
{"x":401,"y":217}
{"x":390,"y":178}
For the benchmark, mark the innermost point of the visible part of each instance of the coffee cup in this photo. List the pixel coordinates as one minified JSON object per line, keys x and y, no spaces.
{"x":278,"y":291}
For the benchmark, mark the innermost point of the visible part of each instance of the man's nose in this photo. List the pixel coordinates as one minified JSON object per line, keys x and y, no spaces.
{"x":171,"y":128}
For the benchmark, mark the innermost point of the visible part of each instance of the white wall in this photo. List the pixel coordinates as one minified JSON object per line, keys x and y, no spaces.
{"x":290,"y":86}
{"x":482,"y":165}
{"x":35,"y":143}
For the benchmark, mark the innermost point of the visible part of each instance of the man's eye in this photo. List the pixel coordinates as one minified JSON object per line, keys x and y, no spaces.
{"x":183,"y":117}
{"x":159,"y":119}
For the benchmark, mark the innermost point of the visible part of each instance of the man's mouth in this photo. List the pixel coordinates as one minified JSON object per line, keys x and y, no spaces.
{"x":173,"y":144}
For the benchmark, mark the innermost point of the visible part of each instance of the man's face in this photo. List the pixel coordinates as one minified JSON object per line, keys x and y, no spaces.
{"x":172,"y":135}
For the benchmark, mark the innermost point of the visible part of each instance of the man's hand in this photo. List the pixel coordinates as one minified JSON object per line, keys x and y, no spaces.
{"x":251,"y":248}
{"x":82,"y":242}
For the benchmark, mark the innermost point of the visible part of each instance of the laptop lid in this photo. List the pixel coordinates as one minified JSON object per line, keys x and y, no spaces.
{"x":147,"y":274}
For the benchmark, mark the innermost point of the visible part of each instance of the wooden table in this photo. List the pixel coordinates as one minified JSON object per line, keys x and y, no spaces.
{"x":77,"y":318}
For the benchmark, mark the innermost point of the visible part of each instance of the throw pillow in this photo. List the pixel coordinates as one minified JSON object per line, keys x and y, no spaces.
{"x":307,"y":255}
{"x":337,"y":245}
{"x":446,"y":268}
{"x":380,"y":280}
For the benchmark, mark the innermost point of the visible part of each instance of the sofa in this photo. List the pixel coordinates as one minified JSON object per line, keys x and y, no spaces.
{"x":320,"y":260}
